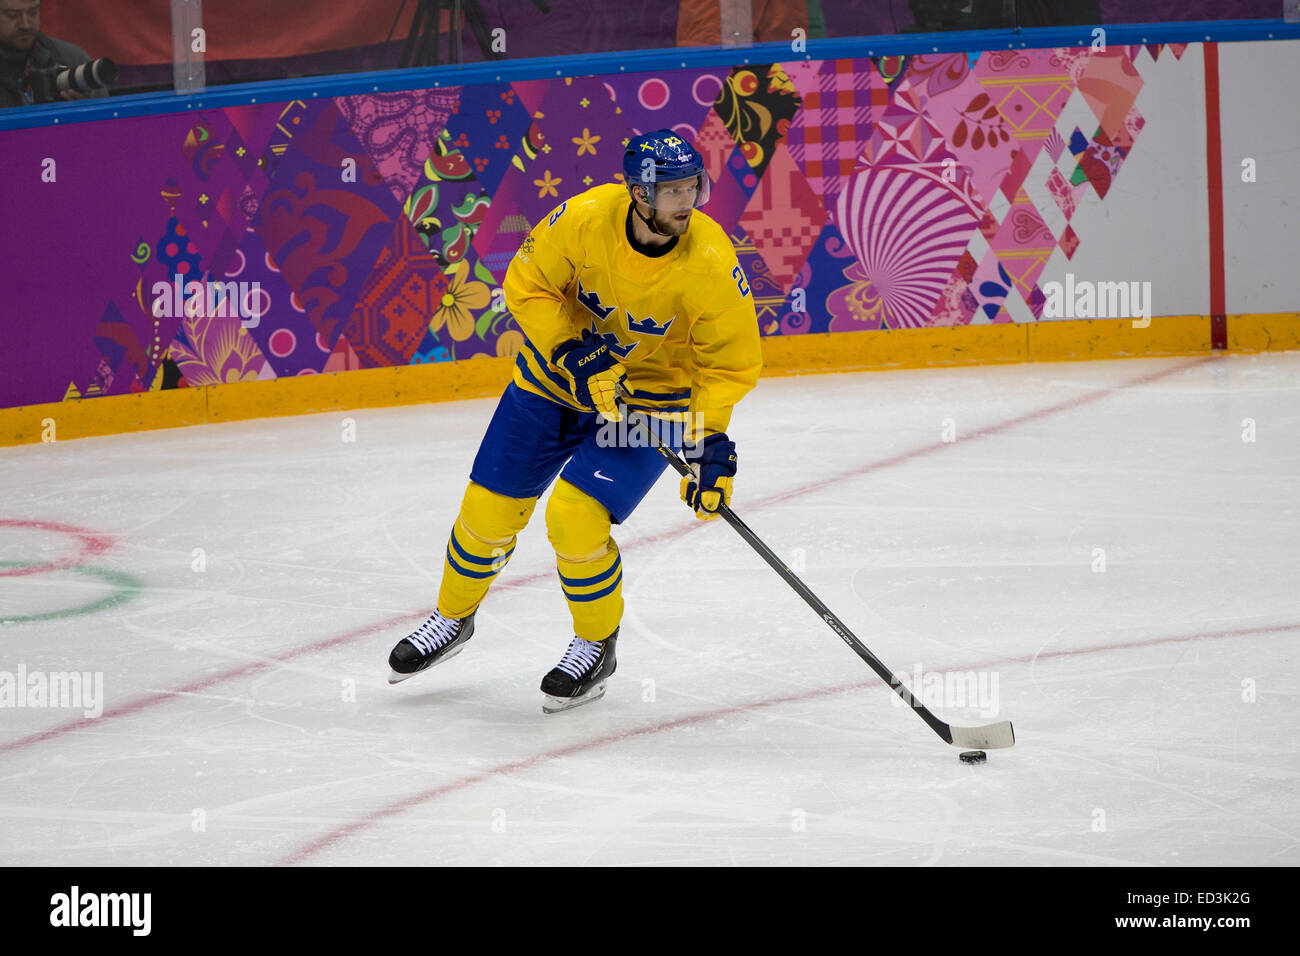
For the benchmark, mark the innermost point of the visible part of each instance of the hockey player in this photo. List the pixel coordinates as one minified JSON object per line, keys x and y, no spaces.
{"x":625,"y":294}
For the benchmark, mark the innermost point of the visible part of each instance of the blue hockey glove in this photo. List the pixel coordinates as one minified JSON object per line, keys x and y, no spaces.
{"x":598,"y":379}
{"x":713,"y":462}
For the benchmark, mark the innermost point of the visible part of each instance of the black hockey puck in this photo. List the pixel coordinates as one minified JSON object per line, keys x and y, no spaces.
{"x":974,"y":756}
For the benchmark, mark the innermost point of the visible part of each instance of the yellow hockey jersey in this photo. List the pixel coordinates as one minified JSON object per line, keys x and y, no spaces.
{"x":681,"y":320}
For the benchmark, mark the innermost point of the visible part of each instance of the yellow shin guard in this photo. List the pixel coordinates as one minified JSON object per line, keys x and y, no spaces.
{"x":481,"y":542}
{"x":591,"y":572}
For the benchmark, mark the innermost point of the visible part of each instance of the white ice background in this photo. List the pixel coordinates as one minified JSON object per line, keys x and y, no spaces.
{"x":1107,"y":545}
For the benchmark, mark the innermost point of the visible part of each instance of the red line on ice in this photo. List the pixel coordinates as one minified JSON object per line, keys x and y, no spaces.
{"x":142,"y":703}
{"x":194,"y":687}
{"x":93,"y":544}
{"x":527,"y":763}
{"x":1086,"y":398}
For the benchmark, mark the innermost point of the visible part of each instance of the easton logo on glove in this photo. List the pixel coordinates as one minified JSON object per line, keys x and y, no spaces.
{"x":598,"y":379}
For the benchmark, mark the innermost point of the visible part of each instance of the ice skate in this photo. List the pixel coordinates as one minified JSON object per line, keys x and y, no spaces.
{"x":436,"y":640}
{"x":580,"y":676}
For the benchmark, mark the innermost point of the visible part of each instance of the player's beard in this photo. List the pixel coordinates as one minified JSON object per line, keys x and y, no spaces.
{"x":668,"y":225}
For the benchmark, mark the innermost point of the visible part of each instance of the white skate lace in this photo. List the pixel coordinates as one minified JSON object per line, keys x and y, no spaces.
{"x":433,"y":633}
{"x":580,"y":657}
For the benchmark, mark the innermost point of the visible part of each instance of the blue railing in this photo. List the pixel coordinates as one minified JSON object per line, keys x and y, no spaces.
{"x":641,"y":61}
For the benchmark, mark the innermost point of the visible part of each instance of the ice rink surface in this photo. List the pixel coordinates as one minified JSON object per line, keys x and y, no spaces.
{"x":1104,"y":553}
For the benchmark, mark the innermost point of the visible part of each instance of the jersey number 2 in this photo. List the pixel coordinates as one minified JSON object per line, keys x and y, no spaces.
{"x":739,"y":275}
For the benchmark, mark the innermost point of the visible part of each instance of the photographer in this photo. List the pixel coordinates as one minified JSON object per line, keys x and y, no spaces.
{"x":28,"y":56}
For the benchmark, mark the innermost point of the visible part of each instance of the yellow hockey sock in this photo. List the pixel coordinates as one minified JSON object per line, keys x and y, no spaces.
{"x":591,"y":571}
{"x":481,"y":542}
{"x":594,"y":590}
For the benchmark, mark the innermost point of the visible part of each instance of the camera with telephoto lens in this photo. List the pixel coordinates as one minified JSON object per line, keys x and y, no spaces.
{"x":943,"y":15}
{"x":49,"y":84}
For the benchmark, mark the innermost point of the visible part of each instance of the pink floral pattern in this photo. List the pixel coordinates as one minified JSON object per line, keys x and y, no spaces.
{"x":940,"y":72}
{"x":400,"y":130}
{"x":217,"y":351}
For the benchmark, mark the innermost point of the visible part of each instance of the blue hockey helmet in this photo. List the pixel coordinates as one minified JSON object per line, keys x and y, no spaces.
{"x":661,"y":157}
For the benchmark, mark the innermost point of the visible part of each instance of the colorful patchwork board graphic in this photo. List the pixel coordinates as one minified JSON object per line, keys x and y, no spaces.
{"x":365,"y":231}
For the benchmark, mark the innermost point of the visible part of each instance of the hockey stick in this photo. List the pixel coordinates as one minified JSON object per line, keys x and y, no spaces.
{"x":987,"y":737}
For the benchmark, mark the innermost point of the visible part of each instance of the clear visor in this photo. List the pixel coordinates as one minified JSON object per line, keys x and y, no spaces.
{"x":675,"y":193}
